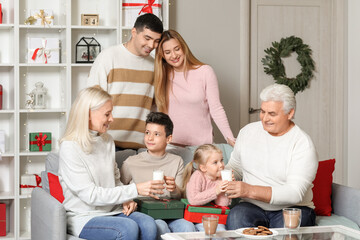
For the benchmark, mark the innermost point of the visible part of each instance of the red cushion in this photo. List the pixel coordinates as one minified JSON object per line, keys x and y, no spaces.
{"x":55,"y":187}
{"x":322,"y":187}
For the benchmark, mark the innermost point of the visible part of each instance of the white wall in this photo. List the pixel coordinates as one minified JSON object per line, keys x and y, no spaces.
{"x":211,"y":28}
{"x":353,"y":123}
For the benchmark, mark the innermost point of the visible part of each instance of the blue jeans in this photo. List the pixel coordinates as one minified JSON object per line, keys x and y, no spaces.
{"x":246,"y":214}
{"x":177,"y":225}
{"x":135,"y":226}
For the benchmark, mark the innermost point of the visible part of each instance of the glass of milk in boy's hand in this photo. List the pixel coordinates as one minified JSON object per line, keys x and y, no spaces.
{"x":158,"y":175}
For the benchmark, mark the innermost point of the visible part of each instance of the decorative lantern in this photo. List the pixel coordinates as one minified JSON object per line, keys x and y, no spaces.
{"x":37,"y":96}
{"x":87,"y":49}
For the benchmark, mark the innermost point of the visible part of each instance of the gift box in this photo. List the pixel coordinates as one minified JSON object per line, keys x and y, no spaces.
{"x":2,"y":219}
{"x":194,"y":213}
{"x":131,"y":9}
{"x":43,"y":17}
{"x":161,"y":209}
{"x":28,"y":182}
{"x":2,"y":141}
{"x":43,"y":50}
{"x":40,"y":141}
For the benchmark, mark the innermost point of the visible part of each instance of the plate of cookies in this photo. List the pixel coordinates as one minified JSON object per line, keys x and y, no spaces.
{"x":259,"y":232}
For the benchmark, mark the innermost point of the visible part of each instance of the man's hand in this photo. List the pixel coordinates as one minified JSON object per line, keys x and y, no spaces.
{"x":129,"y":207}
{"x":239,"y":189}
{"x":234,"y":189}
{"x":150,"y":188}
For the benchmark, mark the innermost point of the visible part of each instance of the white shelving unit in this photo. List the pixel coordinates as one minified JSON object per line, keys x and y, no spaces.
{"x":62,"y":80}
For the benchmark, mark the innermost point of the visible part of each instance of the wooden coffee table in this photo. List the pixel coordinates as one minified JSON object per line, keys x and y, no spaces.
{"x":317,"y":232}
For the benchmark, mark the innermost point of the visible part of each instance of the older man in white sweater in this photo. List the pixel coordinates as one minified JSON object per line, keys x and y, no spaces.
{"x":277,"y":163}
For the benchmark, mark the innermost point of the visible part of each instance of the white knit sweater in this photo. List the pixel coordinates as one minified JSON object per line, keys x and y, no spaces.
{"x":286,"y":163}
{"x":91,"y":182}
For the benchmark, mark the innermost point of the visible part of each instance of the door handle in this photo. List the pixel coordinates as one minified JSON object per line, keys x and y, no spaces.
{"x":253,"y":110}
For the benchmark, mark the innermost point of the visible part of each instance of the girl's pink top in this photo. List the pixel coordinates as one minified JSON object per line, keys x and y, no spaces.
{"x":200,"y":190}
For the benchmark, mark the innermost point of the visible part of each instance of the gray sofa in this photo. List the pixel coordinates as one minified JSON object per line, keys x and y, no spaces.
{"x":48,"y":216}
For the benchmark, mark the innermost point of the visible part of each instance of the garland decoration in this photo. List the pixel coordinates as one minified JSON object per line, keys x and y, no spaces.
{"x":274,"y":66}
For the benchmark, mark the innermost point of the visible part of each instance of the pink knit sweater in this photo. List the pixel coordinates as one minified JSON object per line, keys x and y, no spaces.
{"x":192,"y":103}
{"x":200,"y":190}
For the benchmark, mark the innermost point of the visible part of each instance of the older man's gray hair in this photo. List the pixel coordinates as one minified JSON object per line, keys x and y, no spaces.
{"x":279,"y":93}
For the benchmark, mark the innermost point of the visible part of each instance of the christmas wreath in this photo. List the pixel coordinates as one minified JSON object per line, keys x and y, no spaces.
{"x":274,"y":66}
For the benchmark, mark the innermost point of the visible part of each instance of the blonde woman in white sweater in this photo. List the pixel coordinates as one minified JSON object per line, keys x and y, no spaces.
{"x":98,"y":205}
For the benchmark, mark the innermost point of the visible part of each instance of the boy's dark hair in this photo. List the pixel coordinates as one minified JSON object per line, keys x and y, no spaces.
{"x":161,"y":119}
{"x":149,"y":21}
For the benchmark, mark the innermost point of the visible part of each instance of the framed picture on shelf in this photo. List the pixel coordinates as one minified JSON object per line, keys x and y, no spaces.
{"x":89,"y":19}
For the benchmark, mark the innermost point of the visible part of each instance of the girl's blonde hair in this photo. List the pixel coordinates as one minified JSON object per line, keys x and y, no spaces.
{"x":201,"y":155}
{"x":164,"y":73}
{"x":77,"y":128}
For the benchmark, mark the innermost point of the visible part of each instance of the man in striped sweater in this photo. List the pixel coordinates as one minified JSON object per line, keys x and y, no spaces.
{"x":126,"y":71}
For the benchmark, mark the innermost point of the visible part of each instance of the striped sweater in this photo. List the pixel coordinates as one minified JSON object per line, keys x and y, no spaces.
{"x":129,"y":79}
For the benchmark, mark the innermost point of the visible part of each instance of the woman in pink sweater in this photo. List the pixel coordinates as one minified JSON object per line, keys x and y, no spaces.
{"x":187,"y":90}
{"x":202,"y":179}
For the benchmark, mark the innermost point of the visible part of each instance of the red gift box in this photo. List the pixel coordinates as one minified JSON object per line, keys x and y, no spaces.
{"x":195,"y":213}
{"x":2,"y":219}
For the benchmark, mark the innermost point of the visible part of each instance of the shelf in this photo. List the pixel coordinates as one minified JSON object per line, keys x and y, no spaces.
{"x":59,"y":110}
{"x":81,"y":64}
{"x":9,"y":236}
{"x":94,"y":27}
{"x":7,"y":195}
{"x":26,"y":153}
{"x":6,"y":65}
{"x":46,"y":27}
{"x":6,"y":26}
{"x":5,"y":111}
{"x":42,"y":65}
{"x":7,"y":154}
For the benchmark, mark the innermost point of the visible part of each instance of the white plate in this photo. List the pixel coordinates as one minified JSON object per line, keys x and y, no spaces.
{"x":240,"y":231}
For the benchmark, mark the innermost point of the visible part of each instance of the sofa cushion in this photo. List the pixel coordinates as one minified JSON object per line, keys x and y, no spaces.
{"x":336,"y":220}
{"x":322,"y":187}
{"x":55,"y":187}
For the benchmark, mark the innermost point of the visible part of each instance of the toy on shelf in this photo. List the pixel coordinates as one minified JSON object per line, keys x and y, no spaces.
{"x":87,"y":49}
{"x":37,"y":97}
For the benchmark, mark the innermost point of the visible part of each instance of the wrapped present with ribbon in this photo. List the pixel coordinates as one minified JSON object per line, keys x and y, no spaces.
{"x":28,"y":182}
{"x":40,"y":141}
{"x":2,"y":219}
{"x":161,"y":209}
{"x":42,"y":17}
{"x":194,"y":213}
{"x":131,"y":9}
{"x":43,"y":50}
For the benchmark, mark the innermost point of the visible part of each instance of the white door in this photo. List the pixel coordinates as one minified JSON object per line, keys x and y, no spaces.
{"x":317,"y":106}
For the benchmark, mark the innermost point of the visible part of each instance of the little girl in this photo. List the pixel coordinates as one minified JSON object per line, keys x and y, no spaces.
{"x":202,"y":179}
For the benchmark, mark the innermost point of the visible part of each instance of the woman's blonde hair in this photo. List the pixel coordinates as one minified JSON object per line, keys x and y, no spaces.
{"x":164,"y":73}
{"x":201,"y":156}
{"x":77,"y":128}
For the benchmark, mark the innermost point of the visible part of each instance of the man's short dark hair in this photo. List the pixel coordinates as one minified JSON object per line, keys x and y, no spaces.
{"x":161,"y":119}
{"x":149,"y":21}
